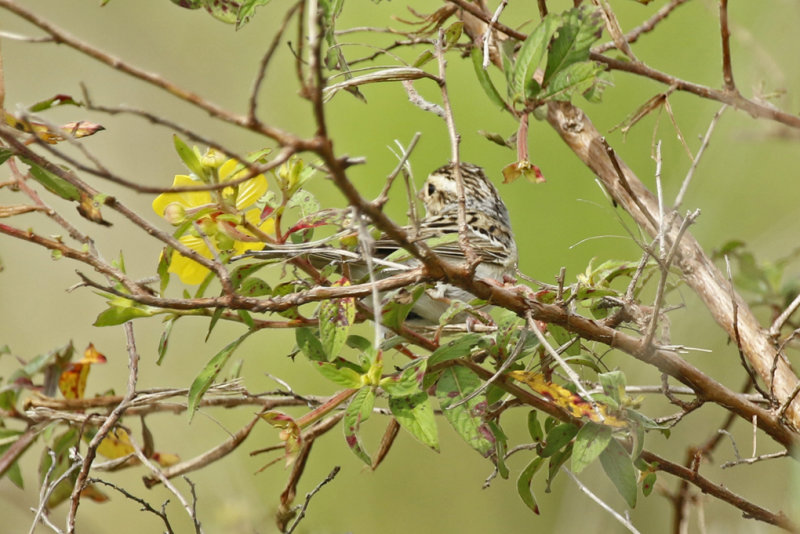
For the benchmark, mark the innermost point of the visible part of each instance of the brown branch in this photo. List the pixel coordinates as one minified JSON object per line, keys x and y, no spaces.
{"x":698,"y":271}
{"x":208,"y":457}
{"x":727,"y":71}
{"x":735,"y":100}
{"x":62,"y":37}
{"x":265,"y":61}
{"x":647,"y":26}
{"x":718,"y":491}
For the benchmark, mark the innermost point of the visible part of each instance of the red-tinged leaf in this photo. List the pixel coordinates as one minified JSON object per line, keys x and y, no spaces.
{"x":406,"y":383}
{"x":89,"y":208}
{"x":454,"y":385}
{"x":524,"y":484}
{"x":13,"y":472}
{"x":81,"y":128}
{"x":335,"y":319}
{"x":525,"y":168}
{"x":57,"y":100}
{"x":92,"y":355}
{"x":305,"y":225}
{"x":72,"y":382}
{"x":165,"y":459}
{"x":52,"y":135}
{"x":357,"y":412}
{"x":415,"y":415}
{"x":648,"y":483}
{"x":93,"y":493}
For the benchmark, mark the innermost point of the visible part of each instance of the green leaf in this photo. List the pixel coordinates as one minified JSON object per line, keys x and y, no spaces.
{"x":581,"y":27}
{"x":415,"y":415}
{"x":163,"y":269}
{"x":455,"y":384}
{"x":576,"y":78}
{"x":501,"y":446}
{"x":458,"y":348}
{"x":254,"y":287}
{"x":357,"y":412}
{"x":246,"y":318}
{"x":406,"y":383}
{"x":359,"y":343}
{"x":524,"y":484}
{"x":592,"y":439}
{"x":222,"y":10}
{"x":309,"y":344}
{"x":613,"y":383}
{"x":396,"y":310}
{"x":619,"y":467}
{"x":58,"y":100}
{"x":484,"y":80}
{"x":559,"y":436}
{"x":529,"y":57}
{"x":534,"y":427}
{"x":243,"y":272}
{"x":562,"y":337}
{"x":335,"y":318}
{"x":189,"y":158}
{"x":213,"y":322}
{"x":163,"y":342}
{"x":206,"y":377}
{"x":453,"y":33}
{"x":556,"y":461}
{"x":53,"y":183}
{"x":343,"y":376}
{"x":13,"y":472}
{"x":115,"y":315}
{"x":247,"y":10}
{"x":648,"y":483}
{"x":5,"y":153}
{"x":424,"y":57}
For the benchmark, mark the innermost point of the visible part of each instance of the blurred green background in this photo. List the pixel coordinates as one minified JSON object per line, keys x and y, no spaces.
{"x":747,"y":187}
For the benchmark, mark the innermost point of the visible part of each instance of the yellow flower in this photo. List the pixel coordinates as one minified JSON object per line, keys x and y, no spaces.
{"x":206,"y":210}
{"x":246,"y":193}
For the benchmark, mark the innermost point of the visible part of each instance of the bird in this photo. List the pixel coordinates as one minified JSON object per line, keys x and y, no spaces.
{"x":488,"y":232}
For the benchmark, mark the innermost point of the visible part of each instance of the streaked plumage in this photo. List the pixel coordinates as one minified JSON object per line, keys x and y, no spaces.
{"x":488,"y":231}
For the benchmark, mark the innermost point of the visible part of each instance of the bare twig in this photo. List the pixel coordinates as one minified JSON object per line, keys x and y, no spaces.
{"x":616,"y":515}
{"x":310,"y":495}
{"x":105,"y":428}
{"x":696,"y":159}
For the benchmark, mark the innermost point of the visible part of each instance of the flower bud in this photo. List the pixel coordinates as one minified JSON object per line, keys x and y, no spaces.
{"x":175,"y":213}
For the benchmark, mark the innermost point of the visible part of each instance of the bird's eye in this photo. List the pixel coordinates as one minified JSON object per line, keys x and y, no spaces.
{"x":431,"y":189}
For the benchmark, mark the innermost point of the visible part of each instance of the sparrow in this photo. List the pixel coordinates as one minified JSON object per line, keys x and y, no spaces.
{"x":488,"y":232}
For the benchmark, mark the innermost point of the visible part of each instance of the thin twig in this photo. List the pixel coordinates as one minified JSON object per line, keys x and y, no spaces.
{"x":262,"y":67}
{"x":105,"y":428}
{"x":616,"y":515}
{"x":310,"y":495}
{"x":696,"y":159}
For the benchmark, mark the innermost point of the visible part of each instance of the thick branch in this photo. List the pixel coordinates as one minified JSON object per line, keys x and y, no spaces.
{"x":698,"y":271}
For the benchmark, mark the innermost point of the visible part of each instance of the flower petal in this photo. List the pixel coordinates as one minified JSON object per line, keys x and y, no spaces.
{"x":189,"y":271}
{"x":187,"y":199}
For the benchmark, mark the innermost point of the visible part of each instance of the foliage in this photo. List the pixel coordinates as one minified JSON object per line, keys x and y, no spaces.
{"x":251,"y":245}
